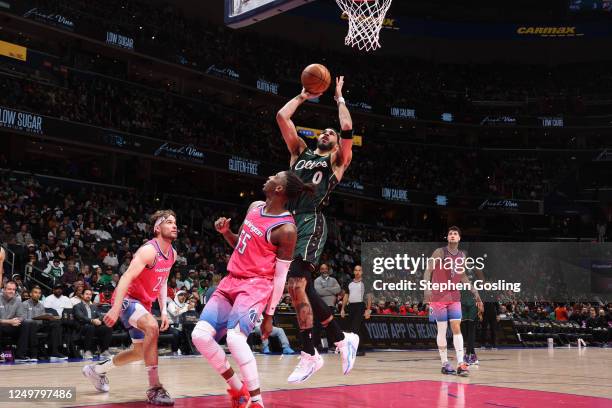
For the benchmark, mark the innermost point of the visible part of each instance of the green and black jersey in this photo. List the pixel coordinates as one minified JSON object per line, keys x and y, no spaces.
{"x":312,"y":168}
{"x":307,"y":209}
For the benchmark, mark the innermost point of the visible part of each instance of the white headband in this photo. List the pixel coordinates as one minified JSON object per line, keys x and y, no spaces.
{"x":158,"y":222}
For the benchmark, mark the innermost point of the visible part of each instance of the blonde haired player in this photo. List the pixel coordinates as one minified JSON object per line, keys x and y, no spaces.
{"x":445,"y":306}
{"x":144,"y":281}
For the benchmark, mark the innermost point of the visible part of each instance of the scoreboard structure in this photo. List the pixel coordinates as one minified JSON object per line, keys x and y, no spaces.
{"x":241,"y":13}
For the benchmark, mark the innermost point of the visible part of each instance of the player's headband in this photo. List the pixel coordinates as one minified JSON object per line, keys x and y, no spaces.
{"x":158,"y":222}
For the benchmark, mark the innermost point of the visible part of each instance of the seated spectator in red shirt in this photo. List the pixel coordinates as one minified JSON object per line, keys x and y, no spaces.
{"x":389,"y":309}
{"x":414,"y":309}
{"x":422,"y":311}
{"x":561,"y":313}
{"x":379,"y":307}
{"x":104,"y":297}
{"x":172,"y":289}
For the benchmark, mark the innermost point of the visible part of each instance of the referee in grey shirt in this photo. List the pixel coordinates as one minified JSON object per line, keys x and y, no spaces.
{"x":356,"y":299}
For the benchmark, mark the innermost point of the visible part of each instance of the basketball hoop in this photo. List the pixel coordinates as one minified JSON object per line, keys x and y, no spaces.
{"x":365,"y":18}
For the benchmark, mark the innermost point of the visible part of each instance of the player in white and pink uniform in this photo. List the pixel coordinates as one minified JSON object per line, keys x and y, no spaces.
{"x":144,"y":281}
{"x":263,"y":250}
{"x":448,"y":267}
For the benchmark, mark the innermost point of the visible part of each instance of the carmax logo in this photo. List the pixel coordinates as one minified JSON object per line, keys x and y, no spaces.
{"x":388,"y":23}
{"x":569,"y":31}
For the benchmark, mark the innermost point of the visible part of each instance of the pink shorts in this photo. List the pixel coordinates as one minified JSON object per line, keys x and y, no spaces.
{"x":444,"y":311}
{"x":237,"y":301}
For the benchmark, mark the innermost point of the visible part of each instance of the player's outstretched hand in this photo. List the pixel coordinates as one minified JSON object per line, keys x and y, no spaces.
{"x":266,"y":326}
{"x":339,"y":85}
{"x":111,"y":317}
{"x":222,"y":225}
{"x":307,"y":95}
{"x":165,"y":323}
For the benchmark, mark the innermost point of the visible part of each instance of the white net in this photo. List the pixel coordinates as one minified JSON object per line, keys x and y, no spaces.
{"x":365,"y":19}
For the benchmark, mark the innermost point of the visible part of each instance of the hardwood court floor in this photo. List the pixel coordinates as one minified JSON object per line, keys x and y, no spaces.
{"x":507,"y":378}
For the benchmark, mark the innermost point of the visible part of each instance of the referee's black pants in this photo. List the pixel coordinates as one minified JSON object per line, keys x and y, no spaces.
{"x":489,"y":324}
{"x":356,"y":311}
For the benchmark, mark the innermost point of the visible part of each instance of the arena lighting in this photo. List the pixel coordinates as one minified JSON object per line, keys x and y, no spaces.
{"x":441,"y":200}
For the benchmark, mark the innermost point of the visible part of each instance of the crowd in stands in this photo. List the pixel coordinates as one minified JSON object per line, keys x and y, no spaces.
{"x":592,"y":319}
{"x":74,"y":244}
{"x":246,"y":128}
{"x":163,"y":31}
{"x":124,"y":106}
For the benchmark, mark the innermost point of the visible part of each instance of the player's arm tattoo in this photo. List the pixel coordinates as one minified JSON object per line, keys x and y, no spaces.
{"x":284,"y":237}
{"x":297,"y":290}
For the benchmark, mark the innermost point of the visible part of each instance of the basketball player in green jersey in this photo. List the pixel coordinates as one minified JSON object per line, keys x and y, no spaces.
{"x":324,"y":167}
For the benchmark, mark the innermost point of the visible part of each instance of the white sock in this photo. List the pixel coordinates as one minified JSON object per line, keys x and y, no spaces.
{"x":458,"y":343}
{"x":258,"y":399}
{"x":234,"y":382}
{"x":104,"y":367}
{"x":237,"y":343}
{"x":443,"y":354}
{"x":441,"y":340}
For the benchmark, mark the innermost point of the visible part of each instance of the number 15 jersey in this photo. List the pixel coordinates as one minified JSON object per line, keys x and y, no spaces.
{"x":254,"y":254}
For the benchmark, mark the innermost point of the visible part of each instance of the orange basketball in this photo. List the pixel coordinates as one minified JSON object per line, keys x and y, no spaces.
{"x":316,"y":78}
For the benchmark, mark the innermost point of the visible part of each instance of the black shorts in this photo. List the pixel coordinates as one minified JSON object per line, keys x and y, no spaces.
{"x":300,"y":268}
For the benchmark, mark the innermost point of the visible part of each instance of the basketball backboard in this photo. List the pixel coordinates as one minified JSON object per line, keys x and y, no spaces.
{"x":240,"y":13}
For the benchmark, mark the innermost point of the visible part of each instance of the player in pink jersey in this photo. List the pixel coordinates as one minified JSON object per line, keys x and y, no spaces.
{"x":144,"y":281}
{"x":263,"y":250}
{"x":447,"y":265}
